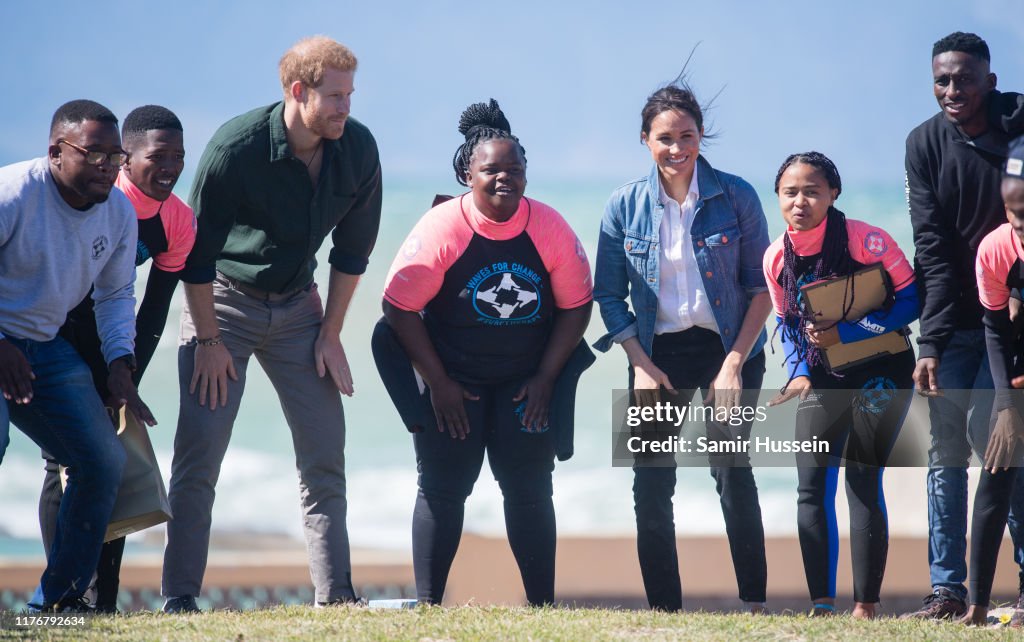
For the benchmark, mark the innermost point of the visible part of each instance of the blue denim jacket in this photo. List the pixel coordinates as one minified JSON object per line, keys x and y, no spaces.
{"x":730,"y":236}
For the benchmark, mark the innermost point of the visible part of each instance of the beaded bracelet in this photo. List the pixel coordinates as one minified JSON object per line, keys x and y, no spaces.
{"x":212,"y":341}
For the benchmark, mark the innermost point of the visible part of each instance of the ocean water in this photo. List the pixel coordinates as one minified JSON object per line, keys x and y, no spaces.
{"x":258,"y":490}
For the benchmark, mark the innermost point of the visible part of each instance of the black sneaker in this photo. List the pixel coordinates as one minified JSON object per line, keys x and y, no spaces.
{"x":943,"y":604}
{"x":107,"y":608}
{"x":75,"y":605}
{"x":181,"y":604}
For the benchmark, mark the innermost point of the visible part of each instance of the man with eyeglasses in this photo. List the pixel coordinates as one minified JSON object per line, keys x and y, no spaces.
{"x":64,"y":232}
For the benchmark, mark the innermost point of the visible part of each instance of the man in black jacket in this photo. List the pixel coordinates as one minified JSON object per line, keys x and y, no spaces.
{"x":953,"y":165}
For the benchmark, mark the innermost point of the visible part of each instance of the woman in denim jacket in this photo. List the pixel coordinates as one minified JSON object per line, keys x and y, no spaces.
{"x":685,"y":245}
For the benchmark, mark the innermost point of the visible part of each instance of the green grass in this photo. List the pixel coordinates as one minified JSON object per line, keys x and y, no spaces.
{"x":491,"y":623}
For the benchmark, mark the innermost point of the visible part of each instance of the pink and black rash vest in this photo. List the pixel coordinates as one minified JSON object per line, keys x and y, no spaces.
{"x":1000,"y":268}
{"x":488,"y":290}
{"x":868,"y":245}
{"x":167,"y":229}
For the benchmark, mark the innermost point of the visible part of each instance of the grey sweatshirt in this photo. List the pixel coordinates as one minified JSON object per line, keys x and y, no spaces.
{"x":51,"y":254}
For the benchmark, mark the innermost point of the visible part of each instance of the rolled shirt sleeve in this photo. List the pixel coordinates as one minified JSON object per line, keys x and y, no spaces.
{"x":214,"y":198}
{"x":356,"y":234}
{"x":611,"y":279}
{"x":754,"y":239}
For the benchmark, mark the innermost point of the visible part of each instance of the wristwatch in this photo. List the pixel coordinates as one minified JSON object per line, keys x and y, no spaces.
{"x":129,"y":360}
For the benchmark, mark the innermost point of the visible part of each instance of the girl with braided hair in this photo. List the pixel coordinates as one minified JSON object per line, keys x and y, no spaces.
{"x":488,"y":300}
{"x":861,"y":410}
{"x":684,"y":245}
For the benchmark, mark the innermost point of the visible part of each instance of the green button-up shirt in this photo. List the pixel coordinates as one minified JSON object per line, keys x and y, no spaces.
{"x":260,"y":220}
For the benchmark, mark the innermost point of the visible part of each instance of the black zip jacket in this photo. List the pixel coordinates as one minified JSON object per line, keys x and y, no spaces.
{"x":953,"y":194}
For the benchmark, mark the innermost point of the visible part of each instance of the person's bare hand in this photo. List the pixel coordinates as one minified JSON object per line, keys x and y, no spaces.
{"x":123,"y":392}
{"x":824,"y":337}
{"x":798,"y":386}
{"x":724,"y":392}
{"x":15,"y":374}
{"x":213,"y":366}
{"x":330,"y":358}
{"x":648,"y":380}
{"x":448,"y":399}
{"x":1002,"y":443}
{"x":926,"y":377}
{"x":537,"y":392}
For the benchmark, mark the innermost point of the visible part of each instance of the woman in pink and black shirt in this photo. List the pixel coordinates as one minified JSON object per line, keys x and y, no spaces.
{"x":489,"y":296}
{"x":859,"y":412}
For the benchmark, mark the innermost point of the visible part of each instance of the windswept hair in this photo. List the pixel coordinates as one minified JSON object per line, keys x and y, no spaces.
{"x":480,"y":122}
{"x":79,"y":111}
{"x":679,"y":96}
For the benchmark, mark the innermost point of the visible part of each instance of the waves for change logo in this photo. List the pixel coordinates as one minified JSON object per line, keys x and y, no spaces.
{"x":507,"y":296}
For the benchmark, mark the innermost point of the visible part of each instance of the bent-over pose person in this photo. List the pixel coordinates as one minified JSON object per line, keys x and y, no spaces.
{"x":152,"y":136}
{"x":489,"y":296}
{"x":64,"y":232}
{"x":270,"y":186}
{"x":860,"y":411}
{"x":684,"y":244}
{"x":1000,"y":268}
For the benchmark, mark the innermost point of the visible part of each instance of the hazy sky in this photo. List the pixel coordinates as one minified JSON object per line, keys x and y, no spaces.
{"x":849,"y":79}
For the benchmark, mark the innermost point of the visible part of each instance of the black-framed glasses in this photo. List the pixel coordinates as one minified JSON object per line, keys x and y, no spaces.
{"x":116,"y":159}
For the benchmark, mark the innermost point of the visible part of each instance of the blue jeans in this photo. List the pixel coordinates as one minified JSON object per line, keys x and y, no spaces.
{"x":966,"y":380}
{"x":66,"y":419}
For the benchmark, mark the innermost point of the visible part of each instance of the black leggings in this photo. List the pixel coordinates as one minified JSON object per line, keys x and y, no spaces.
{"x":991,"y":510}
{"x":860,"y":415}
{"x":108,"y":570}
{"x":522,"y":463}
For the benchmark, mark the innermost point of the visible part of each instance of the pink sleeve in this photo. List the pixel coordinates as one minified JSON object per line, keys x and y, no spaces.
{"x":180,"y":228}
{"x":563,"y":257}
{"x":433,"y":245}
{"x":772,"y":264}
{"x":870,"y":245}
{"x":993,"y":265}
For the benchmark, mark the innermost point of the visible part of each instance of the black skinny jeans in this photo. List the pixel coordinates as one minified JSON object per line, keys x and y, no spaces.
{"x":692,"y":359}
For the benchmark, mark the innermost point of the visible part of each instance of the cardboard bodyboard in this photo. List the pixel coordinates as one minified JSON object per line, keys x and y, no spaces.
{"x":851,"y":298}
{"x":141,"y":499}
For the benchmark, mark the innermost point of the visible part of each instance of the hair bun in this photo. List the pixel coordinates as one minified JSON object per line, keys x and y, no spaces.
{"x":483,"y":115}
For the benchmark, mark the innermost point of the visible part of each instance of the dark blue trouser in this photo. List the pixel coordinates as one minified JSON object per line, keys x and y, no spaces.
{"x":66,"y":418}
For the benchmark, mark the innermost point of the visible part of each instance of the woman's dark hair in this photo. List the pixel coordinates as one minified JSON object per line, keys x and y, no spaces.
{"x":833,"y":261}
{"x":818,"y":161}
{"x":672,"y":97}
{"x":678,"y":96}
{"x":480,"y":122}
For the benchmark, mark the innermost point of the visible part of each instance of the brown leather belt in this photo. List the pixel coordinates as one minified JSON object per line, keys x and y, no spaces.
{"x":262,"y":295}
